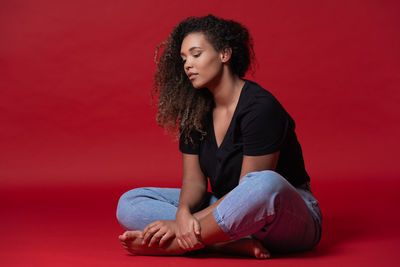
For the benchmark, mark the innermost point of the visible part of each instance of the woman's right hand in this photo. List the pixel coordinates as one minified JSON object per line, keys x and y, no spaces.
{"x":188,"y":231}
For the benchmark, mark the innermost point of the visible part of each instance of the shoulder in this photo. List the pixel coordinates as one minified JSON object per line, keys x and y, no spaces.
{"x":256,"y":99}
{"x":264,"y":123}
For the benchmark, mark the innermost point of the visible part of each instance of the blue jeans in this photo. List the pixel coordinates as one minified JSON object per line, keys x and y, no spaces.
{"x":264,"y":205}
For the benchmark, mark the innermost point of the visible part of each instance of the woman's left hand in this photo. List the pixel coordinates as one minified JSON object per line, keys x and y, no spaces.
{"x":158,"y":232}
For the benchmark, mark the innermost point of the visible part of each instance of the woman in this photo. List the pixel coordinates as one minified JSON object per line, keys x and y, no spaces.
{"x":237,"y":135}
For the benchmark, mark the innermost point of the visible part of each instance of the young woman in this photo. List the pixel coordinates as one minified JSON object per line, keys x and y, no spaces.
{"x":237,"y":135}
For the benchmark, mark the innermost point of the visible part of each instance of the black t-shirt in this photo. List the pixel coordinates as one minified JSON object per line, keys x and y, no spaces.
{"x":259,"y":126}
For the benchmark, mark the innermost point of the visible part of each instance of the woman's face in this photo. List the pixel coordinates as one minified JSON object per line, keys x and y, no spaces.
{"x":202,"y":63}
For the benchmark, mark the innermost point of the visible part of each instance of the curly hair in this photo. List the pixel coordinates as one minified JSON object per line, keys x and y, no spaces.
{"x":182,"y":108}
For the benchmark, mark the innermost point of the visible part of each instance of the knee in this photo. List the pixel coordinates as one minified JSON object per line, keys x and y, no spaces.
{"x":127,"y":203}
{"x":131,"y":196}
{"x":257,"y":199}
{"x":266,"y":182}
{"x":267,"y":187}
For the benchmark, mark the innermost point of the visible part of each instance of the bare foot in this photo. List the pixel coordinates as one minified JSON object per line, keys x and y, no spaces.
{"x":245,"y":246}
{"x":132,"y":241}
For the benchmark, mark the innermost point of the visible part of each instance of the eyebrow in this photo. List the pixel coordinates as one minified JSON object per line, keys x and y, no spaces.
{"x":192,"y":48}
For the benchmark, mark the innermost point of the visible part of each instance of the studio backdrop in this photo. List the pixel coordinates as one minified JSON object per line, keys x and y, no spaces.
{"x":76,"y":76}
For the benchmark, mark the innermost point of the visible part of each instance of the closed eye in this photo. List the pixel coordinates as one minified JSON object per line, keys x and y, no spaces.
{"x":195,"y":56}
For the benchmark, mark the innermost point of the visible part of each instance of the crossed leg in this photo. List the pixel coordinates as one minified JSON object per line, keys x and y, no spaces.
{"x":141,"y":206}
{"x":211,"y":235}
{"x":264,"y":205}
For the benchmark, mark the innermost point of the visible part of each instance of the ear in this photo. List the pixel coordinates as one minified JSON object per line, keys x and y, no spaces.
{"x":226,"y":54}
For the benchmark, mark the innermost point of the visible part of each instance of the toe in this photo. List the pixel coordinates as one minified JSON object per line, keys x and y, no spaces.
{"x":259,"y":251}
{"x":264,"y":255}
{"x":129,"y":235}
{"x":133,"y":234}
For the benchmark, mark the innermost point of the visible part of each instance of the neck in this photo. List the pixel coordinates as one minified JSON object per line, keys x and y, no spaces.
{"x":227,"y":91}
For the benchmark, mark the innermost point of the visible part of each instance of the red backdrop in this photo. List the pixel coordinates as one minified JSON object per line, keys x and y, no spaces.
{"x":76,"y":75}
{"x":77,"y":128}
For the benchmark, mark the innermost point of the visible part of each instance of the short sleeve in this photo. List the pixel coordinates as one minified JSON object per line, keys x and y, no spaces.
{"x":189,"y":147}
{"x":264,"y":127}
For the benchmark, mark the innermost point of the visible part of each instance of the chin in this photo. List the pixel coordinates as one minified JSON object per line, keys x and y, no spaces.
{"x":197,"y":85}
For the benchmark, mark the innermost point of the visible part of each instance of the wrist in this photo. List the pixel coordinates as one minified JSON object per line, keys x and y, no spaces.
{"x":183,"y":210}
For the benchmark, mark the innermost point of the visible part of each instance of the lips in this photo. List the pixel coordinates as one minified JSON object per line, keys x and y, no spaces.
{"x":192,"y":75}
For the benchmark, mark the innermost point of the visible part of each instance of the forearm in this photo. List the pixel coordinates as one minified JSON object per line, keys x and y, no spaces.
{"x":192,"y":193}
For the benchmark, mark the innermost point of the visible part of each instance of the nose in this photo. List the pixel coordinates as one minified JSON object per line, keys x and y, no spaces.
{"x":187,"y":65}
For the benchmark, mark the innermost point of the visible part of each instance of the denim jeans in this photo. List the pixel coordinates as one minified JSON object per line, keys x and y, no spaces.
{"x":264,"y":205}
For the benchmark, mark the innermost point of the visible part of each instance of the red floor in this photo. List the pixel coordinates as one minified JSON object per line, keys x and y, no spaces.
{"x":66,"y":226}
{"x":74,"y":108}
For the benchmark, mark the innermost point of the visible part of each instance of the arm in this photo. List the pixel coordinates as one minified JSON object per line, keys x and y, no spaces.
{"x":189,"y":202}
{"x":259,"y":163}
{"x":194,"y":186}
{"x":186,"y":227}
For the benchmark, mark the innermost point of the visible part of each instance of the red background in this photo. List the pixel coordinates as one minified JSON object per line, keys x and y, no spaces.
{"x":77,"y":128}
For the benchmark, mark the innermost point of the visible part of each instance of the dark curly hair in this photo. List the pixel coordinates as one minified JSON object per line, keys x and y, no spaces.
{"x":181,"y":107}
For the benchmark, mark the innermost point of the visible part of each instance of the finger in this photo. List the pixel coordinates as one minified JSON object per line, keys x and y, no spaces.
{"x":196,"y":239}
{"x":149,"y":234}
{"x":183,"y":243}
{"x":197,"y":228}
{"x":155,"y":238}
{"x":190,"y":240}
{"x":146,"y":237}
{"x":149,"y":226}
{"x":165,"y":238}
{"x":192,"y":237}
